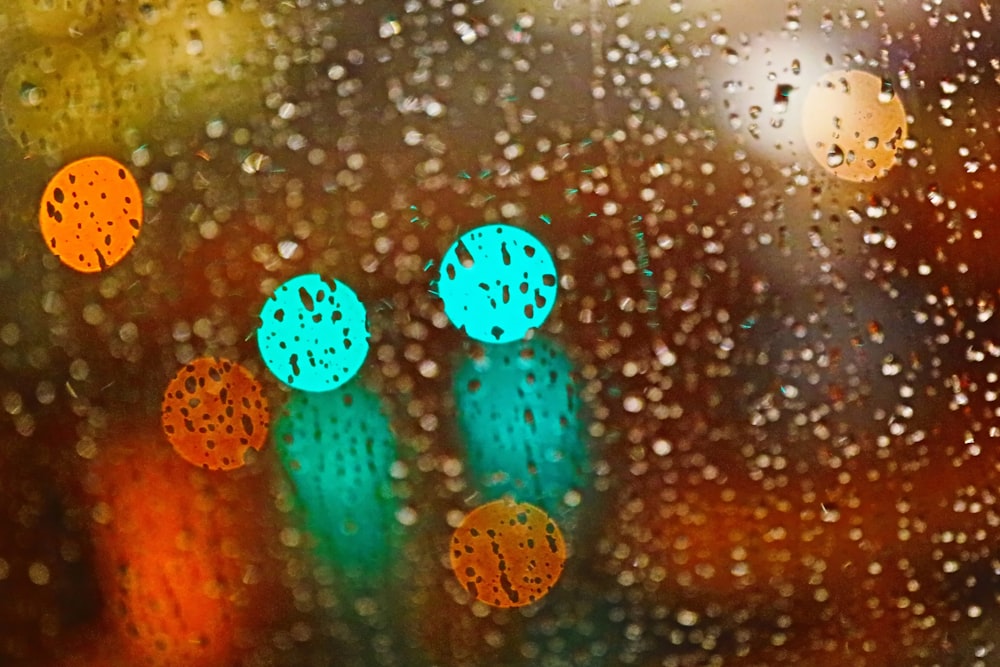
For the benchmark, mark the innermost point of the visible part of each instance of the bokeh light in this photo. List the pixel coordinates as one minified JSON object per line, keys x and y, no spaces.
{"x":313,"y":334}
{"x":854,"y":124}
{"x":178,"y":555}
{"x":53,"y":99}
{"x":497,"y":282}
{"x":762,"y":409}
{"x":66,"y":18}
{"x":508,"y":554}
{"x":190,"y":56}
{"x":338,"y":449}
{"x":214,"y":412}
{"x":518,"y":409}
{"x":91,"y":214}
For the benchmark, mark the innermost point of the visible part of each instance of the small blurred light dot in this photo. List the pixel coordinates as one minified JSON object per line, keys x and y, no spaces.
{"x":79,"y":370}
{"x":287,"y":249}
{"x":86,"y":448}
{"x":434,"y":109}
{"x":141,"y":156}
{"x":301,"y":632}
{"x":93,"y":314}
{"x":161,"y":181}
{"x":406,"y":516}
{"x":12,"y":403}
{"x":128,"y":332}
{"x":203,"y":328}
{"x":10,"y":334}
{"x":209,"y":230}
{"x":412,"y":138}
{"x":316,"y":157}
{"x":398,"y":470}
{"x":101,"y":513}
{"x":241,"y":136}
{"x":572,"y":498}
{"x":355,"y":161}
{"x":633,"y":404}
{"x":24,"y":424}
{"x":38,"y":573}
{"x":452,"y":467}
{"x":687,"y":618}
{"x":194,"y":47}
{"x":428,"y":368}
{"x":290,"y":537}
{"x":255,"y":162}
{"x":45,"y":392}
{"x":662,"y":447}
{"x":215,"y":128}
{"x":110,"y":287}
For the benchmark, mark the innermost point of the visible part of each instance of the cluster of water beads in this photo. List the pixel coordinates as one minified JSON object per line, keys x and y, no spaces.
{"x":830,"y":160}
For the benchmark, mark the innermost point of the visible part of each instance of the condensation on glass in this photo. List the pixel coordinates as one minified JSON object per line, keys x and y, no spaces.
{"x":547,"y":332}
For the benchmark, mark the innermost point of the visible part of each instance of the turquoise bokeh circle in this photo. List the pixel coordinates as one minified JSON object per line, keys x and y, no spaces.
{"x":313,"y":335}
{"x":497,"y":282}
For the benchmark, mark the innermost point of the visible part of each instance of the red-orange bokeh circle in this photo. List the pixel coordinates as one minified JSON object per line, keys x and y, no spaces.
{"x":508,"y":554}
{"x":91,"y":213}
{"x":213,"y":412}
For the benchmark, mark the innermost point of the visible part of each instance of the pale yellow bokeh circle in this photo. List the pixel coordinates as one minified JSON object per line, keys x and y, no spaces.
{"x":53,"y":99}
{"x":67,"y":18}
{"x":853,"y":125}
{"x":191,"y":57}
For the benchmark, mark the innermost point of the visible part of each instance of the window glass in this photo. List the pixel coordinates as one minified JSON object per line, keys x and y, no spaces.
{"x":498,"y":332}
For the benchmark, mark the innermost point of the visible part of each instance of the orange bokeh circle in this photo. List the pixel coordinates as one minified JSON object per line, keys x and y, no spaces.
{"x":508,"y":554}
{"x":91,"y":213}
{"x":213,"y":412}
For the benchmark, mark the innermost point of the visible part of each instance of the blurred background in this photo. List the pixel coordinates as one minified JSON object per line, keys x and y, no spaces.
{"x":761,"y":410}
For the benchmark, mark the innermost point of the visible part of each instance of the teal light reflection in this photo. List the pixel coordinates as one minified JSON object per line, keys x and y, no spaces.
{"x":518,"y":411}
{"x":338,"y":450}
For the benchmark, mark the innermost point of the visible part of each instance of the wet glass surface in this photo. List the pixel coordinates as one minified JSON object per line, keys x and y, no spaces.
{"x":568,"y":332}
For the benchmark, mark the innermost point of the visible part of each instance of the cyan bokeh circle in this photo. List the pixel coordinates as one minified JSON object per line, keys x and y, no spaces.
{"x":497,"y":282}
{"x":313,"y":334}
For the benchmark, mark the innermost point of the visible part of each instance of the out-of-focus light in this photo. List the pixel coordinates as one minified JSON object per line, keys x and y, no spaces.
{"x":91,"y":213}
{"x":508,"y":554}
{"x":497,"y":282}
{"x":313,"y":334}
{"x":518,"y":414}
{"x":214,"y":412}
{"x":854,"y":124}
{"x":338,"y":450}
